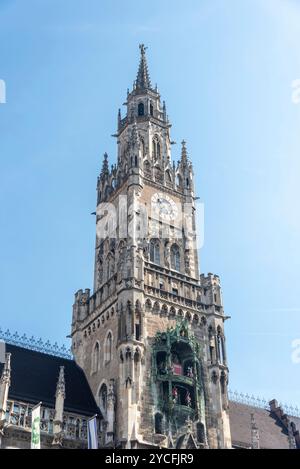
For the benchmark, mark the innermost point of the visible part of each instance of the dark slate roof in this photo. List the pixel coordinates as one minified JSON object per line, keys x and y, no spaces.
{"x":34,"y":377}
{"x":272,"y":435}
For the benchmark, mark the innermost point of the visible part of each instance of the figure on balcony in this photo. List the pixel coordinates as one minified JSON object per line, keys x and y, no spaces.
{"x":188,"y":399}
{"x":175,"y":395}
{"x":162,"y":368}
{"x":189,"y":372}
{"x":176,"y":365}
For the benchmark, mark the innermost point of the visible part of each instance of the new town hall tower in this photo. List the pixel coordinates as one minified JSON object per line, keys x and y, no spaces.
{"x":150,"y":337}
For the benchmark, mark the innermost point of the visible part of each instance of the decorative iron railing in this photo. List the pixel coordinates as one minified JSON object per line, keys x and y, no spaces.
{"x":261,"y":403}
{"x":38,"y":345}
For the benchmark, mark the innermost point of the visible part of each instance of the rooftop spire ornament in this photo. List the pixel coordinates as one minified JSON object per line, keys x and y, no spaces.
{"x":105,"y":169}
{"x":184,"y":155}
{"x":143,"y":78}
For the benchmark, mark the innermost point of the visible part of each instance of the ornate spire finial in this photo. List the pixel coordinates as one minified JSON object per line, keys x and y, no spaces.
{"x":5,"y":377}
{"x":143,"y":49}
{"x":119,"y":119}
{"x":184,"y":155}
{"x":4,"y":388}
{"x":61,"y":387}
{"x":143,"y":78}
{"x":105,"y":170}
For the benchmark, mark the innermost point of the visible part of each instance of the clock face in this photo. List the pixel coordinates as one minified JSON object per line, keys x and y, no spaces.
{"x":164,"y":207}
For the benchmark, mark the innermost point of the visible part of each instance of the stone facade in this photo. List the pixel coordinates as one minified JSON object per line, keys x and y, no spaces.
{"x":149,"y":340}
{"x":146,"y":282}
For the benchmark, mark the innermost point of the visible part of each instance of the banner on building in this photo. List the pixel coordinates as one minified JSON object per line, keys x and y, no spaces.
{"x":36,"y":427}
{"x":92,"y":433}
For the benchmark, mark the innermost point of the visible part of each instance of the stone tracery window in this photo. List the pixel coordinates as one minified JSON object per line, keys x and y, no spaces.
{"x":95,"y":358}
{"x":156,"y":150}
{"x":108,"y":348}
{"x":175,"y":257}
{"x":220,"y":346}
{"x":103,"y":398}
{"x":155,"y":251}
{"x":141,"y":109}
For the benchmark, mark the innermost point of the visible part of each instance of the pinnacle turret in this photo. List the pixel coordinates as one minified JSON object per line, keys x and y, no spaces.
{"x":105,"y":168}
{"x":143,"y":78}
{"x":5,"y":377}
{"x":60,"y":388}
{"x":184,"y":154}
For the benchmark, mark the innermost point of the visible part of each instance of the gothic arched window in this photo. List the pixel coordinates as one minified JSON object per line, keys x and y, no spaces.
{"x":95,"y":358}
{"x":155,"y":251}
{"x":103,"y":398}
{"x":220,"y":347}
{"x":141,"y":109}
{"x":151,"y":109}
{"x":108,"y":348}
{"x":175,"y":257}
{"x":158,"y":149}
{"x":155,"y":148}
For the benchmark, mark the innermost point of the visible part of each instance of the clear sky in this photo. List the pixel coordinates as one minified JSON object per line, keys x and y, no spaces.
{"x":225,"y":69}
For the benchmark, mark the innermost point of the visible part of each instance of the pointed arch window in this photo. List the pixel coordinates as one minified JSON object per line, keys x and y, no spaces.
{"x":151,"y":109}
{"x":141,"y":109}
{"x":95,"y":358}
{"x":103,"y":398}
{"x":108,"y":348}
{"x":156,"y":150}
{"x":155,"y":251}
{"x":175,"y":257}
{"x":220,"y":347}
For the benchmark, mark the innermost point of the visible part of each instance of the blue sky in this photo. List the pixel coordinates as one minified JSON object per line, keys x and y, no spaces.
{"x":225,"y":69}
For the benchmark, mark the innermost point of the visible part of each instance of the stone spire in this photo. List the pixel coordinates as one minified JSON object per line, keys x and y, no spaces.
{"x":165,"y":111}
{"x":184,"y":154}
{"x":59,"y":409}
{"x":254,"y":434}
{"x":61,"y":386}
{"x":143,"y":78}
{"x":105,"y":168}
{"x":119,"y":119}
{"x":4,"y":386}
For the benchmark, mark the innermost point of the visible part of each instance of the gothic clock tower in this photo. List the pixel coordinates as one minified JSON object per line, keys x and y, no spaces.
{"x":150,"y":337}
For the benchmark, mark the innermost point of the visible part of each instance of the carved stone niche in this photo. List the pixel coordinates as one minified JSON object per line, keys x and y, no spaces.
{"x":214,"y":377}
